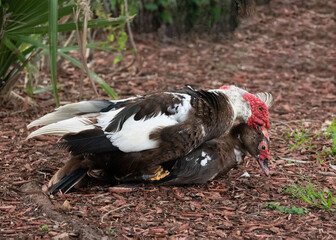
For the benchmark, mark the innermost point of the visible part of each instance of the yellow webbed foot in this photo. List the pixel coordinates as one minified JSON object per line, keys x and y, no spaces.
{"x":159,"y":174}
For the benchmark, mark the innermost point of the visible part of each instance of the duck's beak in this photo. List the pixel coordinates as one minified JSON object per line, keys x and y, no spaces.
{"x":264,"y":165}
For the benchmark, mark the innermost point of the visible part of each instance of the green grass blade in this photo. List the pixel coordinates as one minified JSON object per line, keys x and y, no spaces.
{"x":94,"y":23}
{"x":97,"y":45}
{"x":30,"y":40}
{"x":94,"y":76}
{"x":10,"y":45}
{"x":46,"y":88}
{"x":53,"y":12}
{"x":306,"y":199}
{"x":332,"y":197}
{"x":27,"y":15}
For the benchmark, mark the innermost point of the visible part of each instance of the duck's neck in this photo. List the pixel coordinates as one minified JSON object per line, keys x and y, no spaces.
{"x":241,"y":108}
{"x":239,"y":149}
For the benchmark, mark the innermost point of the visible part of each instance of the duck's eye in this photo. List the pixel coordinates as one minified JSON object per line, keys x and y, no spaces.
{"x":263,"y":147}
{"x":260,"y":109}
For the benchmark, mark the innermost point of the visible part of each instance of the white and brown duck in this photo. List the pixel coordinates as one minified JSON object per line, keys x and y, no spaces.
{"x":160,"y":127}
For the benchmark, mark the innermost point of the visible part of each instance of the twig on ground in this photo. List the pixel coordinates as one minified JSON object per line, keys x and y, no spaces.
{"x":24,"y":100}
{"x":113,"y":210}
{"x":32,"y":194}
{"x":69,"y":39}
{"x":332,"y":166}
{"x":328,"y":174}
{"x":137,"y":78}
{"x":294,"y":160}
{"x":277,"y":138}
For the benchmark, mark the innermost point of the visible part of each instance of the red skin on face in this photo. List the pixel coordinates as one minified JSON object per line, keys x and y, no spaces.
{"x":224,"y":87}
{"x":263,"y":155}
{"x":265,"y":133}
{"x":259,"y":111}
{"x":258,"y":117}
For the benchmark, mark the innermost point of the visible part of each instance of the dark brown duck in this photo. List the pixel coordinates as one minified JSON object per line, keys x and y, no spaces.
{"x":199,"y":166}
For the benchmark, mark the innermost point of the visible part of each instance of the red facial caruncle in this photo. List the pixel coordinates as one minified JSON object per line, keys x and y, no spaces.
{"x":264,"y":156}
{"x":259,"y":111}
{"x":225,"y":87}
{"x":263,"y":130}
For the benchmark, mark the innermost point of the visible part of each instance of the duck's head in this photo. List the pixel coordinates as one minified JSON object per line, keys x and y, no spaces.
{"x":254,"y":142}
{"x":251,"y":109}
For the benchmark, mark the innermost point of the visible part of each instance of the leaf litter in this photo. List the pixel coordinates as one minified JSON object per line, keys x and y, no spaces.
{"x":287,"y":48}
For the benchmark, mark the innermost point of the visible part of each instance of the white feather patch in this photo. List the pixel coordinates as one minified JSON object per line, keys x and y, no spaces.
{"x":205,"y":159}
{"x":72,"y":125}
{"x":241,"y":108}
{"x":105,"y":118}
{"x":182,"y":110}
{"x":239,"y":156}
{"x":203,"y":130}
{"x":124,"y":100}
{"x":245,"y":174}
{"x":134,"y":135}
{"x":71,"y":110}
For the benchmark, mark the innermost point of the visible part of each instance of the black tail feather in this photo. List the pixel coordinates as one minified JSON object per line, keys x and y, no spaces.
{"x":69,"y":181}
{"x":89,"y":141}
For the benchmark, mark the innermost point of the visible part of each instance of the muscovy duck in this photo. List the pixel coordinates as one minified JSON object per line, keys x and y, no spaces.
{"x":167,"y":125}
{"x":219,"y":156}
{"x":198,"y":167}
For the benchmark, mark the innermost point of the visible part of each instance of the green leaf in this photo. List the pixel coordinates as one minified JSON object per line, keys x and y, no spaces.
{"x":117,"y":59}
{"x":318,"y":158}
{"x":314,"y":199}
{"x":96,"y":45}
{"x":44,"y":228}
{"x":111,"y":37}
{"x":329,"y":203}
{"x":151,"y":6}
{"x":46,"y":88}
{"x":216,"y":13}
{"x":166,"y":16}
{"x":122,"y":40}
{"x":66,"y":27}
{"x":53,"y":13}
{"x":332,"y":197}
{"x":321,"y":196}
{"x":10,"y":45}
{"x":305,"y":199}
{"x":30,"y":40}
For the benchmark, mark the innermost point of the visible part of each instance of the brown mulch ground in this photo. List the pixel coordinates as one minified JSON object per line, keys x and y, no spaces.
{"x":288,"y":49}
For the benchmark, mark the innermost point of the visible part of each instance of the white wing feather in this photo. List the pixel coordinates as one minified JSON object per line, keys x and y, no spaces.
{"x":72,"y":125}
{"x":69,"y":111}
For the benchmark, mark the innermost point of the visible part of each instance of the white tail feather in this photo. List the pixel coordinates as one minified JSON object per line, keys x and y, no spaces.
{"x":70,"y":111}
{"x":73,"y":125}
